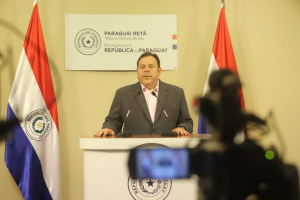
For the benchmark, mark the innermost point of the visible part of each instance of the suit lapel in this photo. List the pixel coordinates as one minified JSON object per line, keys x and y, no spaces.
{"x":162,"y":96}
{"x":142,"y":101}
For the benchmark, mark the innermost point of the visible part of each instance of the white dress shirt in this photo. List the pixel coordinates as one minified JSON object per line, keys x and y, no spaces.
{"x":151,"y":100}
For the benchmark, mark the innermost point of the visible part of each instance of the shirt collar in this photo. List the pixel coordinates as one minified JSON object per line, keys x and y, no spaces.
{"x":155,"y":89}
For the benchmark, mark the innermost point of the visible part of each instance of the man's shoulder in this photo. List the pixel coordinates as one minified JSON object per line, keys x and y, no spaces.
{"x":134,"y":87}
{"x":170,"y":86}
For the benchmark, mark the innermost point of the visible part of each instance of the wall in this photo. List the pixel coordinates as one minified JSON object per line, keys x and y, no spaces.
{"x":266,"y":42}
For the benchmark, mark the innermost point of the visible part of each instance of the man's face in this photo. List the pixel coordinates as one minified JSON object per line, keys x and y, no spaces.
{"x":148,"y":72}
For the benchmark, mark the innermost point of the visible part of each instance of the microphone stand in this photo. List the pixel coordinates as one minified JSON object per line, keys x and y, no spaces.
{"x":168,"y":133}
{"x":127,"y":133}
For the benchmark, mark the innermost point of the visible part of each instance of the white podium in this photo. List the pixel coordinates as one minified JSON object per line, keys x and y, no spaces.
{"x":106,"y":174}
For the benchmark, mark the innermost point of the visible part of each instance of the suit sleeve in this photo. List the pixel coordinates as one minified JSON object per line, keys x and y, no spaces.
{"x":114,"y":119}
{"x":184,"y":119}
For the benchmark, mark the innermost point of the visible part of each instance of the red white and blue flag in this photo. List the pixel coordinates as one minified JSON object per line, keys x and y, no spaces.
{"x":222,"y":58}
{"x":32,"y":155}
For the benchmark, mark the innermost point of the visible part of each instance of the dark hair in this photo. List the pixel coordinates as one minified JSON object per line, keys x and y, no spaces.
{"x":149,"y":54}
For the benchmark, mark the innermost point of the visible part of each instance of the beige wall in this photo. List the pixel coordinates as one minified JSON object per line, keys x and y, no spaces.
{"x":266,"y":42}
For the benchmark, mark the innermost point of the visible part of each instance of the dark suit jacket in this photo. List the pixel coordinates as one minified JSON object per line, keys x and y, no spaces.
{"x":139,"y":121}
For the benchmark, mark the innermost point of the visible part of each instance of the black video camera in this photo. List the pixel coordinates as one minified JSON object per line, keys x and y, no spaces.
{"x":227,"y":169}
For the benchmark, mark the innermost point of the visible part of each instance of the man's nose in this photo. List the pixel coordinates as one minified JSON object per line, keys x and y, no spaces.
{"x":146,"y":69}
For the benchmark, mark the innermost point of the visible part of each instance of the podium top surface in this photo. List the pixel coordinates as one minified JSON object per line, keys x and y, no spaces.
{"x":116,"y":143}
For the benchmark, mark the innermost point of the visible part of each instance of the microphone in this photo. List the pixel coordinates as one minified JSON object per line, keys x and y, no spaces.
{"x":126,"y":133}
{"x":168,"y":133}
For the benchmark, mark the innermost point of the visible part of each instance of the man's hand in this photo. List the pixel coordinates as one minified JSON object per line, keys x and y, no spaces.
{"x":181,"y":131}
{"x":105,"y":132}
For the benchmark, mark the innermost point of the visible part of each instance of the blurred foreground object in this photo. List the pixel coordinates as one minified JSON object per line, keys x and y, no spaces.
{"x":228,"y":170}
{"x":236,"y":171}
{"x":5,"y":128}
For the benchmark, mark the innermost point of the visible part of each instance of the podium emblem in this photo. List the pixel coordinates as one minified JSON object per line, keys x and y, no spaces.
{"x":149,"y":189}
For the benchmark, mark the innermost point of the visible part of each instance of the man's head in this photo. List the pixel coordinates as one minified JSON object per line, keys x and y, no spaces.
{"x":149,"y":54}
{"x":148,"y":69}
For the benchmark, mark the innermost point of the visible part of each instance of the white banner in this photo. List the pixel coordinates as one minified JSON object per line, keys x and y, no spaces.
{"x":115,"y":42}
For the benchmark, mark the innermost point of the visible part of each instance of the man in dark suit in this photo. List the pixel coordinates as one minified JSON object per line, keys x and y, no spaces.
{"x":146,"y":115}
